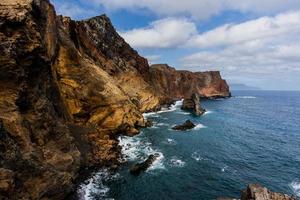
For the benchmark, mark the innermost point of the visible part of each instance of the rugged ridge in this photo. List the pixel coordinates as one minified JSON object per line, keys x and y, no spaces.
{"x":258,"y":192}
{"x":67,"y":89}
{"x":179,"y":84}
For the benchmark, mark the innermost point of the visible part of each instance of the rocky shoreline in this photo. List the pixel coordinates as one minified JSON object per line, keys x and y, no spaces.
{"x":67,"y":90}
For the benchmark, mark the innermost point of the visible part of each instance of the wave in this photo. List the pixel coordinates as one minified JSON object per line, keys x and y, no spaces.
{"x":196,"y":155}
{"x":134,"y":148}
{"x":172,"y":108}
{"x":158,"y":163}
{"x":199,"y":126}
{"x":183,"y":113}
{"x":175,"y":162}
{"x":245,"y":97}
{"x":295,"y":186}
{"x":224,"y":168}
{"x":170,"y":141}
{"x":162,"y":124}
{"x":208,"y":112}
{"x":94,"y":187}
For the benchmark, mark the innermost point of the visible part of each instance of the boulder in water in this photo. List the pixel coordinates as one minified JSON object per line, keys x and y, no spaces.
{"x":185,"y":126}
{"x":140,"y":167}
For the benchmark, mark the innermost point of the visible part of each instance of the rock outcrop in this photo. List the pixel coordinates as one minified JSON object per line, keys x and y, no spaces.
{"x":185,"y":126}
{"x":143,"y":166}
{"x":193,"y":104}
{"x":67,"y":88}
{"x":258,"y":192}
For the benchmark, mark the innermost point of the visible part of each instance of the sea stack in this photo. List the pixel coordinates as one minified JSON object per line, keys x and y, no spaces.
{"x":193,"y":104}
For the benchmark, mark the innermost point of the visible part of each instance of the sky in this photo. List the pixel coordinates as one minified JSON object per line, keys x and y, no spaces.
{"x":254,"y":42}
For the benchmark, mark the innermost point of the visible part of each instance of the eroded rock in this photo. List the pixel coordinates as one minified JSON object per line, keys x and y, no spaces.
{"x":185,"y":126}
{"x":258,"y":192}
{"x":140,"y":167}
{"x":193,"y":105}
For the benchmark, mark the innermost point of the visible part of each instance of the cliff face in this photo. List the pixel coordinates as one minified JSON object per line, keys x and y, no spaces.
{"x":173,"y":84}
{"x":258,"y":192}
{"x":66,"y":89}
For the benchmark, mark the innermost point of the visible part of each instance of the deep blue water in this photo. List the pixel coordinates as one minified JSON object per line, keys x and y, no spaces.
{"x":253,"y":137}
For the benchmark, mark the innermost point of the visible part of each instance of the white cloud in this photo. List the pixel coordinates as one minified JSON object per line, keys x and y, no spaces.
{"x":201,"y":9}
{"x":164,"y":33}
{"x":262,"y":28}
{"x":256,"y":57}
{"x":74,"y":10}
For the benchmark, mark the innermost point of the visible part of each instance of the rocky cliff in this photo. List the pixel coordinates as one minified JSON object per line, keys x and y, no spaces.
{"x":67,"y":88}
{"x":174,"y":84}
{"x":258,"y":192}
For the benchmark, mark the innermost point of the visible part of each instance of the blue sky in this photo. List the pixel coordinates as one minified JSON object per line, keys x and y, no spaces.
{"x":255,"y":42}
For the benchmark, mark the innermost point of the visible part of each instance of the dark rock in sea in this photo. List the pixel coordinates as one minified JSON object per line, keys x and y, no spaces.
{"x":258,"y":192}
{"x":148,"y":123}
{"x":193,"y":104}
{"x":185,"y":126}
{"x":140,"y":167}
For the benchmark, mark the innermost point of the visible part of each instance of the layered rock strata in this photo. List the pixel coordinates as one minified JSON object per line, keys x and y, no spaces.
{"x":258,"y":192}
{"x":193,"y":104}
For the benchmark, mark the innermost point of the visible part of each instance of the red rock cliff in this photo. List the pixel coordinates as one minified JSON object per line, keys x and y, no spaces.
{"x":174,"y":84}
{"x":66,"y":89}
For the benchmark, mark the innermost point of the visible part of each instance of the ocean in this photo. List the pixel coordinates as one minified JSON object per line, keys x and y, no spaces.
{"x":253,"y":137}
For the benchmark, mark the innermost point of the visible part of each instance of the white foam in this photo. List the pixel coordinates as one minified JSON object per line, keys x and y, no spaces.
{"x":130,"y":147}
{"x":196,"y":155}
{"x":170,"y":141}
{"x":172,"y":108}
{"x":208,"y":112}
{"x":175,"y":162}
{"x":162,"y":124}
{"x":158,"y":163}
{"x":152,"y":114}
{"x":133,"y":149}
{"x":199,"y":126}
{"x":183,"y":113}
{"x":224,"y":168}
{"x":245,"y":97}
{"x":94,"y":186}
{"x":295,"y":186}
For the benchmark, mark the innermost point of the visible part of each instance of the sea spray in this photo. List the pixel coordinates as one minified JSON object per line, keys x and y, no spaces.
{"x":295,"y":186}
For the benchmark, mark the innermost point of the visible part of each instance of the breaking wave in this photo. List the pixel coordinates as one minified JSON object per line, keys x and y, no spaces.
{"x":134,"y":148}
{"x":94,"y":187}
{"x":199,"y":126}
{"x":175,"y":162}
{"x":295,"y":186}
{"x":172,"y":108}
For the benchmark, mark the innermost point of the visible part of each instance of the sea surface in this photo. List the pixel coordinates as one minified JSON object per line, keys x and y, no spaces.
{"x":253,"y":137}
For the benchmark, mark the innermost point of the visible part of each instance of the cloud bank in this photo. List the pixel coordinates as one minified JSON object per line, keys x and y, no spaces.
{"x":164,"y":33}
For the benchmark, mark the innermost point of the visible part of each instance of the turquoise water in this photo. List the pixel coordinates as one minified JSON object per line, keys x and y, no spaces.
{"x":253,"y":137}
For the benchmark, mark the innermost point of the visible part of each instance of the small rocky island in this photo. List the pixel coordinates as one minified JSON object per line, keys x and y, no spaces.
{"x":185,"y":126}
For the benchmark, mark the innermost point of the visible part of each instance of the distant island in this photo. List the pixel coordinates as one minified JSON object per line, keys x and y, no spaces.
{"x":241,"y":86}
